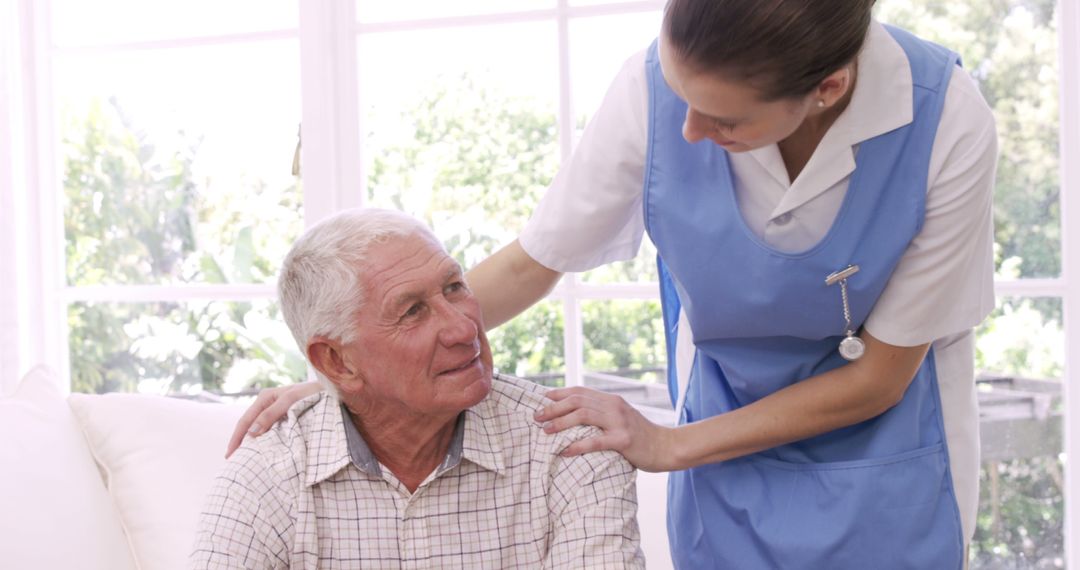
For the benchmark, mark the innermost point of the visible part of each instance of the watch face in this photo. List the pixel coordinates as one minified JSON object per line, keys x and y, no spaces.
{"x":852,"y":348}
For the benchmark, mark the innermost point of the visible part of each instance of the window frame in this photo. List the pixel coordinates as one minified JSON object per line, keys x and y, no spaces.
{"x":34,"y":296}
{"x":1069,"y":121}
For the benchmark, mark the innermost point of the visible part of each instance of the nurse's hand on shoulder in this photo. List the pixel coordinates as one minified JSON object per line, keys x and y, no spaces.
{"x":270,"y":406}
{"x":644,"y":444}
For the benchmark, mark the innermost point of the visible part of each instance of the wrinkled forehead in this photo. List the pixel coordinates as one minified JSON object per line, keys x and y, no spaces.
{"x":401,"y":262}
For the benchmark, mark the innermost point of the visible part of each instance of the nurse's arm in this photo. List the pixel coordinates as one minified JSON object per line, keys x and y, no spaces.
{"x":839,"y":398}
{"x":845,"y":396}
{"x":508,"y":282}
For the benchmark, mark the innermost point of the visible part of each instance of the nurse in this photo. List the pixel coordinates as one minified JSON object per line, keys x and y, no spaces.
{"x":818,"y":187}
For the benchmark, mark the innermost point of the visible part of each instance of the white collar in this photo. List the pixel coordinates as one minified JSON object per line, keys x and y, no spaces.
{"x":881,"y":102}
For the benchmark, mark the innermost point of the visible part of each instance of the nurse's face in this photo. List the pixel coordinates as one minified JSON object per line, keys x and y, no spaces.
{"x":728,"y":113}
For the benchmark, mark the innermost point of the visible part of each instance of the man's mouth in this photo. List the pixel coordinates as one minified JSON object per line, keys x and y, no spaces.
{"x":467,"y":364}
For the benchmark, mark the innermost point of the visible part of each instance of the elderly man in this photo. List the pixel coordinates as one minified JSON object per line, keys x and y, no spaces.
{"x":414,"y":456}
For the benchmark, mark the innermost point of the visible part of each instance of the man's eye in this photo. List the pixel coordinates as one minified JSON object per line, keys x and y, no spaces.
{"x":454,"y":287}
{"x":413,"y":310}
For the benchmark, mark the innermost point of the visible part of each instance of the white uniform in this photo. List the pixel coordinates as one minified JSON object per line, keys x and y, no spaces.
{"x":943,"y":285}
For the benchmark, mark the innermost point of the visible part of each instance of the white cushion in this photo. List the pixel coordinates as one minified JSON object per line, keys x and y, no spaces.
{"x":160,"y":456}
{"x":54,"y":510}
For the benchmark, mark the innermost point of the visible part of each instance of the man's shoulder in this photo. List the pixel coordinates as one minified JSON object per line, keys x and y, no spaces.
{"x":518,"y":400}
{"x":281,"y":452}
{"x":512,"y":394}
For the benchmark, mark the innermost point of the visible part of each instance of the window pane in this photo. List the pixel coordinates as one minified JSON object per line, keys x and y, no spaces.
{"x":531,"y":345}
{"x":624,"y":354}
{"x":466,"y":139}
{"x":1010,"y":47}
{"x":77,"y":22}
{"x":1022,"y":337}
{"x":1020,"y":353}
{"x":177,"y":163}
{"x":599,"y":47}
{"x":172,"y":347}
{"x":381,"y":10}
{"x":624,"y":339}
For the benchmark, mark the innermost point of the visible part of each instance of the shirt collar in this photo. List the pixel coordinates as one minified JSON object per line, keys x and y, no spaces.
{"x":326,"y":440}
{"x":482,"y":443}
{"x":365,"y":460}
{"x":881,"y":102}
{"x":336,"y":442}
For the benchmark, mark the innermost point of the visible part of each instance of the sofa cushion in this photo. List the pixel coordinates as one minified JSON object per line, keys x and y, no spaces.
{"x":159,"y":456}
{"x":54,"y":509}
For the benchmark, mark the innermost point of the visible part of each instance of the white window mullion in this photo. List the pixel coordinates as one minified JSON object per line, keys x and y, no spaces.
{"x":1069,"y":69}
{"x":573,"y":335}
{"x":330,"y":156}
{"x":169,"y":293}
{"x":573,"y":343}
{"x":1029,"y":287}
{"x":44,"y":311}
{"x":13,"y":347}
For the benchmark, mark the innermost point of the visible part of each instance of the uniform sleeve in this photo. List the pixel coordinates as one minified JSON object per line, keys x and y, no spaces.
{"x":592,"y":213}
{"x":594,"y":504}
{"x":944,"y":283}
{"x":243,"y":525}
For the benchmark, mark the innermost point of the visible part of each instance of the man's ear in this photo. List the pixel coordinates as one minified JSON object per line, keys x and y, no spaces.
{"x":325,"y":355}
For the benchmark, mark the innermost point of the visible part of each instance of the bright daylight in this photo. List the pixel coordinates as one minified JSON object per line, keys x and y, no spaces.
{"x":663,"y":284}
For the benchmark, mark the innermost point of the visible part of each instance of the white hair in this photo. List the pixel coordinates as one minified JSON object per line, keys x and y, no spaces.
{"x":321,"y":281}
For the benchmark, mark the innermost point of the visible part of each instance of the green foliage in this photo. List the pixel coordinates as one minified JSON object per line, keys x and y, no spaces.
{"x":1024,"y":338}
{"x":1021,"y":514}
{"x":1010,"y":48}
{"x":134,"y":214}
{"x":128,"y":211}
{"x":531,"y":344}
{"x":469,"y":161}
{"x":623,"y":335}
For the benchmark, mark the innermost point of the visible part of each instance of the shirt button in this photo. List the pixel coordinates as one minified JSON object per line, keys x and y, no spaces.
{"x":782,"y":219}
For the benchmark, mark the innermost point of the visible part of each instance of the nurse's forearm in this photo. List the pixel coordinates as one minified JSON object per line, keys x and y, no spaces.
{"x":842,"y":397}
{"x":509,"y":282}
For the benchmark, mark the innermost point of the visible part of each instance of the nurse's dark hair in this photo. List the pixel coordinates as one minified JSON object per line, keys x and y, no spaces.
{"x":785,"y":48}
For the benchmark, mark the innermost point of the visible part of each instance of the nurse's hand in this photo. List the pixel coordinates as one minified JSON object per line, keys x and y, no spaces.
{"x":270,"y":406}
{"x":644,"y":444}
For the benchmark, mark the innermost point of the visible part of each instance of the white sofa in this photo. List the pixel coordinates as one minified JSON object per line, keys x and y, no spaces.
{"x":116,"y":482}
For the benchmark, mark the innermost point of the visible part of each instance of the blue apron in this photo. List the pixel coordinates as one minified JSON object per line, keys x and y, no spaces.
{"x":877,"y":494}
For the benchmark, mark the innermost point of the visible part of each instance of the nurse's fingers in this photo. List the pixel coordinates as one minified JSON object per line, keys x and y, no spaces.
{"x":248,"y":423}
{"x":578,"y":417}
{"x":271,"y":405}
{"x":561,"y":393}
{"x":589,"y":445}
{"x":566,"y":400}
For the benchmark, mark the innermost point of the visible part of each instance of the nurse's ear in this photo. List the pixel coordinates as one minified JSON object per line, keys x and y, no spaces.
{"x":835,"y":87}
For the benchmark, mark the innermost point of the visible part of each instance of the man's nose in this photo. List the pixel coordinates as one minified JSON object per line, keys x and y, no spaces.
{"x":696,"y":127}
{"x":457,"y":326}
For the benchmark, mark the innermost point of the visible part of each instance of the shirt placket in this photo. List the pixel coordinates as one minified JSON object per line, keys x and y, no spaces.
{"x":413,"y":530}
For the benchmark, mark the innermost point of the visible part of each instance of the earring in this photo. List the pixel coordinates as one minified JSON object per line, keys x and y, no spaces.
{"x":821,"y":103}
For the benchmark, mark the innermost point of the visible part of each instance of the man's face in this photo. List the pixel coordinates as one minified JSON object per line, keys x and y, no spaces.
{"x":420,"y":342}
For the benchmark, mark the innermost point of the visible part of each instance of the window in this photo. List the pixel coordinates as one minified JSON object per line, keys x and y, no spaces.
{"x":1011,"y":50}
{"x":174,"y":135}
{"x":158,"y":148}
